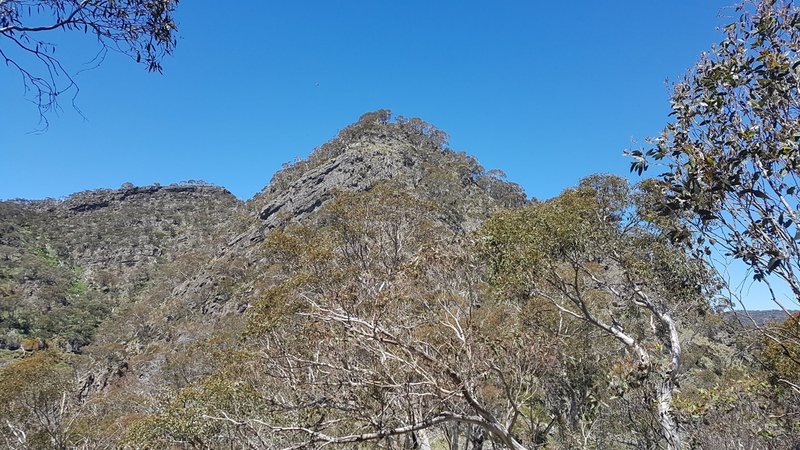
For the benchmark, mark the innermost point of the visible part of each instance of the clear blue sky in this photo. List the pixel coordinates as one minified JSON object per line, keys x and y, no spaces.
{"x":546,"y":91}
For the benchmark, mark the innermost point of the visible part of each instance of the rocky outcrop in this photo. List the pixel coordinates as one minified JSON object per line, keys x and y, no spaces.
{"x":407,"y":152}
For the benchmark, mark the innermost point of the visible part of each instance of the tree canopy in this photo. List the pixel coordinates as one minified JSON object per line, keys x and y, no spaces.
{"x":731,"y":154}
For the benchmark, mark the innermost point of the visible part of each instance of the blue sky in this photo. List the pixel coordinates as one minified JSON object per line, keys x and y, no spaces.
{"x":546,"y":91}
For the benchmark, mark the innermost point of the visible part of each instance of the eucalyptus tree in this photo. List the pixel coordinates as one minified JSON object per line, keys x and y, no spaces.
{"x":38,"y":409}
{"x":592,"y":255}
{"x":379,"y":333}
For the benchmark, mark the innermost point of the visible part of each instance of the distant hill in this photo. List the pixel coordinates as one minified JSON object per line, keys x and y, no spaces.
{"x":761,"y":317}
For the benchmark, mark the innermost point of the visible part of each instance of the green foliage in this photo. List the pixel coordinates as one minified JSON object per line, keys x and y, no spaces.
{"x":730,"y":186}
{"x":782,"y":353}
{"x":65,"y":308}
{"x":591,"y":256}
{"x":731,"y":153}
{"x":738,"y":405}
{"x":196,"y":416}
{"x":519,"y":243}
{"x":35,"y":400}
{"x":47,"y":254}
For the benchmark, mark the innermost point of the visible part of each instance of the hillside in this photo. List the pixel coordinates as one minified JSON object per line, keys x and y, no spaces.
{"x":90,"y":252}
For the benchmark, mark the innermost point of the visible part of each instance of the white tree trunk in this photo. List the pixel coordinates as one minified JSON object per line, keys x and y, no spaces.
{"x":666,"y":418}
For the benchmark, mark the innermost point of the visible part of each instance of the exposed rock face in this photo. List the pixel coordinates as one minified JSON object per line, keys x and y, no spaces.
{"x":410,"y":153}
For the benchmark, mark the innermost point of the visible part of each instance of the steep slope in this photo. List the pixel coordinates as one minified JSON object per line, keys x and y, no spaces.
{"x":197,"y":301}
{"x":410,"y":152}
{"x":129,"y":231}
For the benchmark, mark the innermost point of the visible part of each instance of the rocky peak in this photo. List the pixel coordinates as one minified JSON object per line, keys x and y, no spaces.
{"x":408,"y":152}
